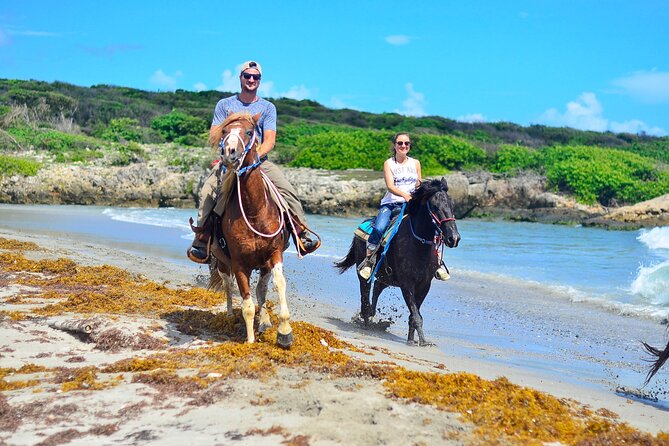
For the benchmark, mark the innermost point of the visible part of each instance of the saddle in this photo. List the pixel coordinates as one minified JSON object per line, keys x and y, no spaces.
{"x":364,"y":229}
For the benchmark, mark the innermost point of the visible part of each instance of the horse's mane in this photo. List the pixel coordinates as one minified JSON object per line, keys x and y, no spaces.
{"x":217,"y":131}
{"x":425,"y":190}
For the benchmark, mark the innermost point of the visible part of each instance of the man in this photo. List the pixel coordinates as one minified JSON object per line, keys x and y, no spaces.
{"x":249,"y":101}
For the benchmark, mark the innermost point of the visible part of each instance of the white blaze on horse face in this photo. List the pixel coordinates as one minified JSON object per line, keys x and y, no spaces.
{"x":233,"y":141}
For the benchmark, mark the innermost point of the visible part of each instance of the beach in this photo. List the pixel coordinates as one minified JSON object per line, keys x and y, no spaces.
{"x":577,"y":352}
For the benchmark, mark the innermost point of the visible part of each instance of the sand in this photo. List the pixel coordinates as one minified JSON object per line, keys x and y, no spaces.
{"x":294,"y":407}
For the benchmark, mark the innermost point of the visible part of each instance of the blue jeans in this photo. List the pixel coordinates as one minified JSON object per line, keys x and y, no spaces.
{"x":381,"y":223}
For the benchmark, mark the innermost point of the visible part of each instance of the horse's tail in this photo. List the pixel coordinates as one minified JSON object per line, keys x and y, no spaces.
{"x":661,"y":355}
{"x":347,"y":261}
{"x":215,"y":279}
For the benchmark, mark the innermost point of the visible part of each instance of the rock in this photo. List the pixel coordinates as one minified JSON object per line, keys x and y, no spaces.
{"x":354,"y":192}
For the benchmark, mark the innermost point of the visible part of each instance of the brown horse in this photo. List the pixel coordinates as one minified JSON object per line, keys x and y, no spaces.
{"x":252,"y":227}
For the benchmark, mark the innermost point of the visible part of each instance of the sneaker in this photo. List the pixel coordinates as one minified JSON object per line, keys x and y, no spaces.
{"x":441,"y":274}
{"x":197,"y":254}
{"x":365,"y":272}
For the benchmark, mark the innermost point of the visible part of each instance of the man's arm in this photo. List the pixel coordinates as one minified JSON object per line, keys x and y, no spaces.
{"x":269,"y":139}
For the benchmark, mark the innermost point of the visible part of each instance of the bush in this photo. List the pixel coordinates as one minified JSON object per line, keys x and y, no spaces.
{"x":510,"y":159}
{"x":11,"y":165}
{"x":122,"y":130}
{"x":65,"y":147}
{"x":176,"y":124}
{"x":595,"y":174}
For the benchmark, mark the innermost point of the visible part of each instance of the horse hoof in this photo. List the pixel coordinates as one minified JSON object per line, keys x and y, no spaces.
{"x":262,"y":328}
{"x":284,"y":341}
{"x":412,"y":342}
{"x":426,"y":344}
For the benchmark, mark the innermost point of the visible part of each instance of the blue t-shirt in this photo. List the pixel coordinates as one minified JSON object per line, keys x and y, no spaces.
{"x":227,"y":106}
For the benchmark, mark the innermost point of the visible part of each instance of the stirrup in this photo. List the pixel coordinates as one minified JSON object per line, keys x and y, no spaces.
{"x":366,"y":268}
{"x":195,"y":258}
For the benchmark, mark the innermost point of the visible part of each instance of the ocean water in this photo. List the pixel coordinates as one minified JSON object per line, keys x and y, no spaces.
{"x":627,"y":271}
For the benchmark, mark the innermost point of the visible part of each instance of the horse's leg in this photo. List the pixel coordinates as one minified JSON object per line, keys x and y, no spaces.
{"x":261,"y":294}
{"x":414,"y":316}
{"x":419,"y":296}
{"x":284,"y":336}
{"x":248,"y":308}
{"x":224,"y":272}
{"x":376,"y":292}
{"x":365,"y":307}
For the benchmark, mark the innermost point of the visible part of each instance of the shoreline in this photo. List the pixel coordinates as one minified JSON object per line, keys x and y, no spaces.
{"x":461,"y":352}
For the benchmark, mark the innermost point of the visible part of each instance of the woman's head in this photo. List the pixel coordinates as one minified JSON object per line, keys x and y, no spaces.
{"x":401,"y":143}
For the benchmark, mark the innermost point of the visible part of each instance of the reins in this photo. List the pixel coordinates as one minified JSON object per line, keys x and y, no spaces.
{"x":241,"y":171}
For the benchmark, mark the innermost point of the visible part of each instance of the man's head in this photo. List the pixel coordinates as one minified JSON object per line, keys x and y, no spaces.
{"x":249,"y":76}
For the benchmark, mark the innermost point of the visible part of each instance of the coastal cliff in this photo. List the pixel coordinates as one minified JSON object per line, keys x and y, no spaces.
{"x":345,"y":193}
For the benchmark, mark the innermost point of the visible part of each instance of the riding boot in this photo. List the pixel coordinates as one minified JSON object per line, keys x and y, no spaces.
{"x":305,"y":244}
{"x":442,"y":273}
{"x":199,"y":250}
{"x":367,"y":266}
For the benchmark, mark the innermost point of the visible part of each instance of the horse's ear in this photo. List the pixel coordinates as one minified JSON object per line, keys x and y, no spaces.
{"x":443,"y":181}
{"x":256,"y":118}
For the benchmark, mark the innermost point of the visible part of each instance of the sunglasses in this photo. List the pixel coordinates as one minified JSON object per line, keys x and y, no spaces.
{"x":247,"y":76}
{"x":403,"y":143}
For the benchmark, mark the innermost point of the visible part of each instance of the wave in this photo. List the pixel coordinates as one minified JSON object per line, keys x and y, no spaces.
{"x":656,"y":239}
{"x":652,"y":284}
{"x":163,"y":217}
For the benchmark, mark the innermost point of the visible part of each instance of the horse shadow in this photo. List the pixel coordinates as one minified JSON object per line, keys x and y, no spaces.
{"x":374,"y":330}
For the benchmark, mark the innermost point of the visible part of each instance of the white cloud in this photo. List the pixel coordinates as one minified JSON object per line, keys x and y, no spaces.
{"x":266,"y":89}
{"x":398,"y":39}
{"x":199,"y":86}
{"x":165,"y":81}
{"x":472,"y":117}
{"x":646,"y":86}
{"x":586,"y":113}
{"x":414,"y":104}
{"x":229,"y":82}
{"x":297,"y":92}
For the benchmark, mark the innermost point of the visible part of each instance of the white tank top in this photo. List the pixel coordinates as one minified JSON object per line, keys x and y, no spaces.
{"x":405,"y":177}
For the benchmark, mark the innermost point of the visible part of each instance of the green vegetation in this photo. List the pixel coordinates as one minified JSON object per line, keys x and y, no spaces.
{"x":11,"y":165}
{"x":58,"y":122}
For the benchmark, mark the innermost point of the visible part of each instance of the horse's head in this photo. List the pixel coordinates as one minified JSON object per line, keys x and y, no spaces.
{"x":235,"y":137}
{"x":432,"y":195}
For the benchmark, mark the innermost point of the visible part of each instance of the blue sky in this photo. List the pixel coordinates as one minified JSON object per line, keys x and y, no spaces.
{"x":589,"y":64}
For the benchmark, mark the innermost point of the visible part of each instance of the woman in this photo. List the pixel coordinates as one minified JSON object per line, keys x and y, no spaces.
{"x":402,"y":174}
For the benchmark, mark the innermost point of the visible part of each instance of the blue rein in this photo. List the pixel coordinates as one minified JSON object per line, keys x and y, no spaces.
{"x":247,"y":148}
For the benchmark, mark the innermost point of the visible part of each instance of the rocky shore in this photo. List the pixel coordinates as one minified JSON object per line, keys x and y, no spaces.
{"x":349,"y":193}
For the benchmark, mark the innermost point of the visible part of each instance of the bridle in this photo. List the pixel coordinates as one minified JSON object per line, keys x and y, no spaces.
{"x":436,"y":222}
{"x":239,"y":171}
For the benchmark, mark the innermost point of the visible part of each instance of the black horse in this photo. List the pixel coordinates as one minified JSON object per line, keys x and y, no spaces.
{"x":661,"y":357}
{"x":411,"y":259}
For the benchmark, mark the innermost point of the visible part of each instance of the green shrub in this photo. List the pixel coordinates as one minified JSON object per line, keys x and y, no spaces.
{"x":11,"y":165}
{"x":65,"y":147}
{"x":126,"y":154}
{"x":122,"y":130}
{"x":596,"y":174}
{"x":511,"y":158}
{"x":176,"y":124}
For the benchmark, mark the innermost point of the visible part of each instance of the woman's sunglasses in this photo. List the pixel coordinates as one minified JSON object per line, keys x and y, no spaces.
{"x":247,"y":76}
{"x":403,"y":143}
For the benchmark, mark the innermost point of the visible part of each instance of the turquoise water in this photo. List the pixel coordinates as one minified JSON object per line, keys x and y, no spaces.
{"x":626,"y":270}
{"x":570,"y":301}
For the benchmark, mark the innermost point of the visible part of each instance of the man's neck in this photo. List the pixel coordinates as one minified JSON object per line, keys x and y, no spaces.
{"x":247,"y":97}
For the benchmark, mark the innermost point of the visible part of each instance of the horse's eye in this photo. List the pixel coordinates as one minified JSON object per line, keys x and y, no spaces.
{"x":249,"y":133}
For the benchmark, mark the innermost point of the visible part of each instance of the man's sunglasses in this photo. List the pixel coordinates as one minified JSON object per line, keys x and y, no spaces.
{"x":247,"y":76}
{"x":403,"y":143}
